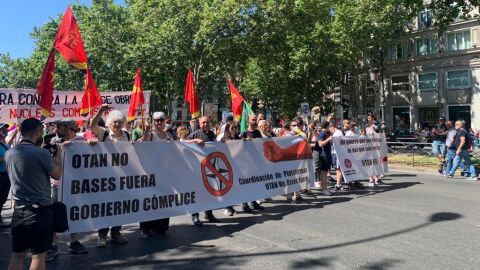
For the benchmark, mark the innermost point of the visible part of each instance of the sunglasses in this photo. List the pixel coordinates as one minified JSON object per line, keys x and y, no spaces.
{"x":159,"y":120}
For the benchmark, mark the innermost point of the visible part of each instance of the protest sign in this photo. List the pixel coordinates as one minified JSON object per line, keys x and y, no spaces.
{"x":360,"y":157}
{"x":112,"y":184}
{"x":19,"y":104}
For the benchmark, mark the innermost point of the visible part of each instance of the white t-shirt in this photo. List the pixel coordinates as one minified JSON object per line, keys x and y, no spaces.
{"x":157,"y":138}
{"x":336,"y":133}
{"x":220,"y":136}
{"x":76,"y":139}
{"x":351,"y":133}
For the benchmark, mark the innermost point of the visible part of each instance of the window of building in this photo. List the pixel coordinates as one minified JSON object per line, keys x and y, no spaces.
{"x":401,"y":118}
{"x":370,"y":58}
{"x":400,"y":83}
{"x":426,"y":46}
{"x":399,"y":51}
{"x":425,"y":18}
{"x":458,"y":41}
{"x":458,"y":79}
{"x":460,"y":113}
{"x":427,"y":81}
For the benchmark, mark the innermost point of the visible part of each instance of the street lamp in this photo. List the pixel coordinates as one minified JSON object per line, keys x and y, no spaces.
{"x":376,"y":74}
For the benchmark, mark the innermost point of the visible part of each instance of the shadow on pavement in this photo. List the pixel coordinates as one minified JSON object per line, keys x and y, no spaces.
{"x":209,"y":257}
{"x":382,"y":265}
{"x":401,"y":175}
{"x":181,"y":241}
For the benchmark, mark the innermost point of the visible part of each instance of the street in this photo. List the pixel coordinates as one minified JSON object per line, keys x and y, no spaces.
{"x":413,"y":221}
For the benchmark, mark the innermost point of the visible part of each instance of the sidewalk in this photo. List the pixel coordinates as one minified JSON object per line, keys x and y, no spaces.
{"x":409,"y":168}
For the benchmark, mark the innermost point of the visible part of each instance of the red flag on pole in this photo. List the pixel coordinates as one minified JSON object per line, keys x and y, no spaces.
{"x":69,"y":43}
{"x":91,"y":97}
{"x":137,"y":99}
{"x":45,"y":86}
{"x":237,"y":101}
{"x":191,"y":96}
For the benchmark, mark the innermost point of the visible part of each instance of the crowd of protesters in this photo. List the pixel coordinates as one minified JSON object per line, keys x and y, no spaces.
{"x":29,"y":161}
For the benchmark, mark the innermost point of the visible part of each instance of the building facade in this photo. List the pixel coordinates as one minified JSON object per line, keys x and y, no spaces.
{"x":426,"y":76}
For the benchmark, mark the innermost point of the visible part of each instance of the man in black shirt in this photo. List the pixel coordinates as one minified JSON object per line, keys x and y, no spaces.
{"x":206,"y":135}
{"x":461,"y":143}
{"x":439,"y":148}
{"x":251,"y":133}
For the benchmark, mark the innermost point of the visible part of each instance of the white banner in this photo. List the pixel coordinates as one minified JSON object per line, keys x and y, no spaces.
{"x":19,"y":104}
{"x":112,"y":184}
{"x":360,"y":157}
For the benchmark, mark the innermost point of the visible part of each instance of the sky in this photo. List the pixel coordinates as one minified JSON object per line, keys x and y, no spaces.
{"x":19,"y":17}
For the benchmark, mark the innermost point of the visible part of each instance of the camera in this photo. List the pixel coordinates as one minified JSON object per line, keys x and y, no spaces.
{"x":50,"y":143}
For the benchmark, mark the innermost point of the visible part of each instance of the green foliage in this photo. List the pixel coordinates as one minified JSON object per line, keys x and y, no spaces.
{"x":281,"y":52}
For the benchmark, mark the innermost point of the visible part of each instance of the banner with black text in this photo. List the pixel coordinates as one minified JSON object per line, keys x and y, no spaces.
{"x":360,"y":157}
{"x":19,"y":104}
{"x":112,"y":184}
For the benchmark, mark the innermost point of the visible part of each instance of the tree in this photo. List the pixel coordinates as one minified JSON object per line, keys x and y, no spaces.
{"x":281,"y":52}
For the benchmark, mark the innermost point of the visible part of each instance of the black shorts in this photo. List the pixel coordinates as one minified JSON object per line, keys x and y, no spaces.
{"x":325,"y":163}
{"x":32,"y":229}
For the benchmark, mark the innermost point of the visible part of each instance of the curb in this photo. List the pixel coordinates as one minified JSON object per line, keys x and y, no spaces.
{"x":419,"y":169}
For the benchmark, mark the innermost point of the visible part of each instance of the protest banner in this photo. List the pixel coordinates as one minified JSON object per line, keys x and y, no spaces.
{"x":360,"y":157}
{"x":19,"y":104}
{"x":112,"y":184}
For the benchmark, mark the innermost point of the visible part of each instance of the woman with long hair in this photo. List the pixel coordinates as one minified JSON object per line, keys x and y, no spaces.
{"x":231,"y":133}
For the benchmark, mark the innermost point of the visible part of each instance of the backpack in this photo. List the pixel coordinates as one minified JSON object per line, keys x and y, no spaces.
{"x":470,"y":142}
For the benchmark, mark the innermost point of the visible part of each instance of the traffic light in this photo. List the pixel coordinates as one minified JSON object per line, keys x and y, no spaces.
{"x":337,"y":94}
{"x":348,"y":78}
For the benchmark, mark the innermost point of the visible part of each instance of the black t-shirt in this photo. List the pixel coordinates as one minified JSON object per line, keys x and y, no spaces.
{"x":327,"y":148}
{"x":208,"y":136}
{"x":440,"y":127}
{"x":461,"y":133}
{"x":251,"y":134}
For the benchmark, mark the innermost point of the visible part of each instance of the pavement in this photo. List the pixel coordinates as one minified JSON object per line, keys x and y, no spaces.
{"x":416,"y":220}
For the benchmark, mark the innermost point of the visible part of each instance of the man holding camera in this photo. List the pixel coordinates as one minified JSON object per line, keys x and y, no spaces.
{"x":29,"y":168}
{"x":66,"y":133}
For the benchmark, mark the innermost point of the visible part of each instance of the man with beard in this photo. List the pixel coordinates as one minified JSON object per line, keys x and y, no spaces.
{"x":29,"y":168}
{"x":204,"y":134}
{"x":252,"y":132}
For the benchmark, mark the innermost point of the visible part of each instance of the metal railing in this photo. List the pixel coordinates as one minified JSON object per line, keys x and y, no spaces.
{"x":418,"y":148}
{"x":411,"y":148}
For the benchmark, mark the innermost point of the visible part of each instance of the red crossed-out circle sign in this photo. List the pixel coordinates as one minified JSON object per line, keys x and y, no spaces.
{"x":347,"y":163}
{"x":217,"y":174}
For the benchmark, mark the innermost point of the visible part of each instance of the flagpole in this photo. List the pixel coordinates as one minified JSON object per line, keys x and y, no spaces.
{"x":143,"y":123}
{"x":89,"y":105}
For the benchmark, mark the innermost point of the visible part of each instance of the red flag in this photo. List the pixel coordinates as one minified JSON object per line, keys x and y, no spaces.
{"x":191,"y":95}
{"x":69,"y":43}
{"x":237,"y":101}
{"x":45,"y":86}
{"x":91,"y":97}
{"x":137,"y":99}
